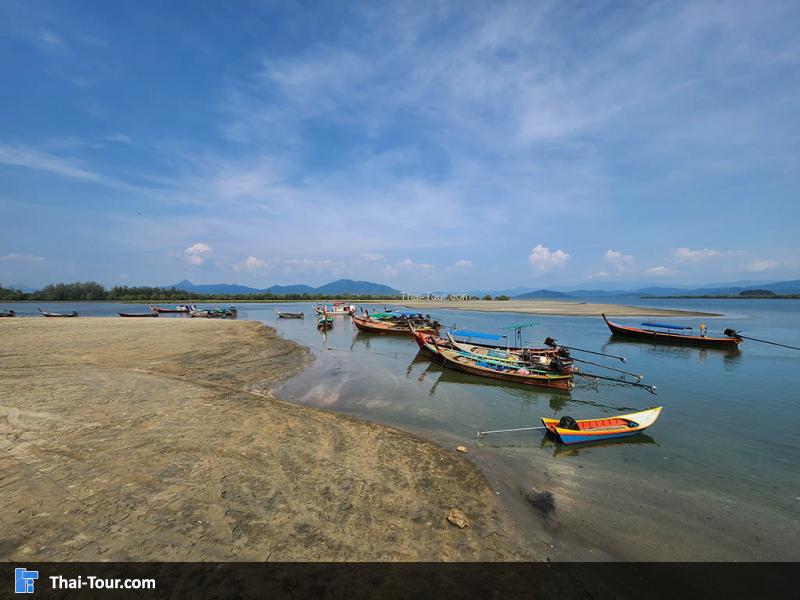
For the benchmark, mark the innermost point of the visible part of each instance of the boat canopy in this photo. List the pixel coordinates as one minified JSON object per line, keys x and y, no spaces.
{"x":477,"y":334}
{"x":522,"y":325}
{"x":665,"y":325}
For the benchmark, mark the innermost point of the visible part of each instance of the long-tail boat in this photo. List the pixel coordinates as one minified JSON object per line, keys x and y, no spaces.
{"x":7,"y":313}
{"x":399,"y":326}
{"x":324,"y":321}
{"x":336,"y":309}
{"x":476,"y":365}
{"x":569,"y":431}
{"x":555,"y":358}
{"x":289,"y":315}
{"x":147,"y":314}
{"x":183,"y":308}
{"x":52,"y":314}
{"x":666,"y":333}
{"x":216,"y":313}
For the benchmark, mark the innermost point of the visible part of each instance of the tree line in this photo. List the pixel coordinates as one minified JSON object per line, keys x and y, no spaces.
{"x":83,"y":291}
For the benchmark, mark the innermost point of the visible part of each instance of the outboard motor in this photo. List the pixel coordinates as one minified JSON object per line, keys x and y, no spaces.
{"x":568,"y":423}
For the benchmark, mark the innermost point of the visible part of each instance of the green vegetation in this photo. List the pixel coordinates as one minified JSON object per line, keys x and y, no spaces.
{"x":487,"y":297}
{"x":502,"y":297}
{"x":759,"y":293}
{"x":743,"y":295}
{"x":92,"y":291}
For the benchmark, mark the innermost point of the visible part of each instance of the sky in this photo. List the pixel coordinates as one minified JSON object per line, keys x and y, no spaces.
{"x":432,"y":145}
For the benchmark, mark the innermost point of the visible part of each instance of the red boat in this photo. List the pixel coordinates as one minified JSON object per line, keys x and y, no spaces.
{"x":667,"y":334}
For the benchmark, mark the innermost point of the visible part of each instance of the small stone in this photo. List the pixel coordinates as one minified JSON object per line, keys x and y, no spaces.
{"x":462,"y":448}
{"x":457,"y":517}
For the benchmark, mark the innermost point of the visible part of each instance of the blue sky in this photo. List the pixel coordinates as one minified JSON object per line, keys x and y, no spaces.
{"x":429,"y":145}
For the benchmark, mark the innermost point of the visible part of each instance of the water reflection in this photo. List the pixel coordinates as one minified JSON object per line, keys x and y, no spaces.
{"x":559,"y":449}
{"x":729,"y":355}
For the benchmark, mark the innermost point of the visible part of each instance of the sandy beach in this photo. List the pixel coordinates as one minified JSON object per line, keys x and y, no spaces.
{"x":555,"y":307}
{"x":127,"y":439}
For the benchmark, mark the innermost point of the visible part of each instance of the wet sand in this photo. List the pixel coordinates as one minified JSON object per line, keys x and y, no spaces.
{"x":126,"y":439}
{"x":556,"y":307}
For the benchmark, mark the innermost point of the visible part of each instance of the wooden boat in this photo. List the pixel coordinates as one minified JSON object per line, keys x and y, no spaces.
{"x":52,"y":314}
{"x":666,"y":334}
{"x":336,"y":309}
{"x":325,"y":321}
{"x":476,"y":365}
{"x":215,"y":313}
{"x":569,"y":431}
{"x":549,"y":359}
{"x":183,"y":308}
{"x":147,"y":314}
{"x":290,"y":315}
{"x":393,"y":327}
{"x":556,"y":358}
{"x":7,"y":313}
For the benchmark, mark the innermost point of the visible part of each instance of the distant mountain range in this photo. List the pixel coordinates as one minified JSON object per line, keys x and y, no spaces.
{"x":338,"y":287}
{"x":779,"y":287}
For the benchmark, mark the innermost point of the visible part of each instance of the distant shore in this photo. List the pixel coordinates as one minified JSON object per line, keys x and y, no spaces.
{"x":159,"y":439}
{"x":562,"y":308}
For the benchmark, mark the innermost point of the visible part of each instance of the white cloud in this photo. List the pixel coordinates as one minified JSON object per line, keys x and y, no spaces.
{"x":756,"y":266}
{"x":617,"y":260}
{"x":196,"y":253}
{"x":543,"y":260}
{"x":251,"y":263}
{"x":659,"y":271}
{"x":406,"y":264}
{"x":372,"y":257}
{"x":687,"y":255}
{"x":22,"y":257}
{"x":390,"y":272}
{"x":461,"y":264}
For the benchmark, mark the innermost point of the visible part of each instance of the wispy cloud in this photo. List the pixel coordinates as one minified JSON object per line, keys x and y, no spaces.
{"x":22,"y":257}
{"x":757,"y":265}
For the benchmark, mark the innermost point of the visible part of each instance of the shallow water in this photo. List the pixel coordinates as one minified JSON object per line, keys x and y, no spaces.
{"x":715,"y":478}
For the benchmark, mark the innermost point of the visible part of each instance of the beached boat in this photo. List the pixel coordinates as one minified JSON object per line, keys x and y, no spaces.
{"x":482,"y":367}
{"x":336,"y":309}
{"x":290,"y":315}
{"x":52,"y":314}
{"x":182,"y":308}
{"x":666,"y":333}
{"x":398,"y":326}
{"x":7,"y":313}
{"x":147,"y":314}
{"x":571,"y":431}
{"x":215,"y":313}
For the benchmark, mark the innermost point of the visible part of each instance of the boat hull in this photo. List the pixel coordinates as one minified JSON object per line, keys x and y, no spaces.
{"x":660,"y":337}
{"x":559,"y":383}
{"x":139,"y":315}
{"x":385,"y":328}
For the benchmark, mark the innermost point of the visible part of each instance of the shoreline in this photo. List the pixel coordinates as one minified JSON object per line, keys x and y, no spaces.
{"x":134,"y":440}
{"x":558,"y":308}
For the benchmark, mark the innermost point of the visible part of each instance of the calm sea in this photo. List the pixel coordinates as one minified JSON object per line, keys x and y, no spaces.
{"x":716,"y":478}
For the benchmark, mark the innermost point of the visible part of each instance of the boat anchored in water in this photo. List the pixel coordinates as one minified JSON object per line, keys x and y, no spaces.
{"x":666,"y":333}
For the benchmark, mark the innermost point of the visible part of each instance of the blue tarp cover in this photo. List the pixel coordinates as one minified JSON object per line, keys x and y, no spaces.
{"x":477,"y":334}
{"x":665,"y":325}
